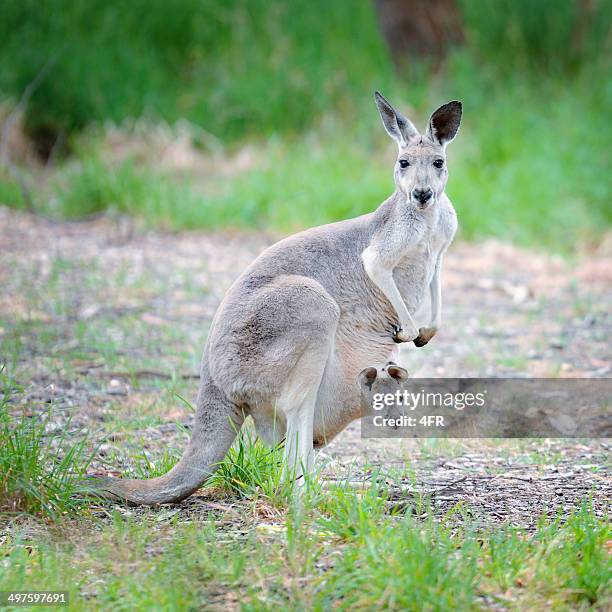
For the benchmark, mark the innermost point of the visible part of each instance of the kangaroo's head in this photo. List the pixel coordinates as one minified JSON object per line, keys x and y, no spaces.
{"x":420,"y":170}
{"x":378,"y":381}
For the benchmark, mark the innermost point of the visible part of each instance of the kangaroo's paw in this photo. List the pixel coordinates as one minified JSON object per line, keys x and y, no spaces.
{"x":425,"y":335}
{"x":402,"y":335}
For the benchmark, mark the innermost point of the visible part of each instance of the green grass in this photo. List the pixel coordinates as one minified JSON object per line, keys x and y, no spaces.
{"x":198,"y":59}
{"x":251,"y":468}
{"x":39,"y":474}
{"x":530,"y":163}
{"x":407,"y":566}
{"x":307,"y":559}
{"x":250,"y":66}
{"x":520,"y":179}
{"x":253,"y":543}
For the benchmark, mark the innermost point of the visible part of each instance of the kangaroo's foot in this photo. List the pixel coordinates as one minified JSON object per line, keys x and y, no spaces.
{"x":425,"y":335}
{"x":403,"y":335}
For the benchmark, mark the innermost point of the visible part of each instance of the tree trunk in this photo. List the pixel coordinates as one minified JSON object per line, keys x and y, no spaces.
{"x":419,"y":28}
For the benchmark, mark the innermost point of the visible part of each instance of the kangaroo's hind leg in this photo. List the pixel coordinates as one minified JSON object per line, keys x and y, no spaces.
{"x":297,"y":402}
{"x":273,"y":355}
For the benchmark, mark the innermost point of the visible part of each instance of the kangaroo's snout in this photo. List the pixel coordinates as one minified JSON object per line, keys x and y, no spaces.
{"x":422,"y":196}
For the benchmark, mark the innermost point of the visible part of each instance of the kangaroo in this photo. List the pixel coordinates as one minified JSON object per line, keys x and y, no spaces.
{"x":380,"y":380}
{"x":295,"y":330}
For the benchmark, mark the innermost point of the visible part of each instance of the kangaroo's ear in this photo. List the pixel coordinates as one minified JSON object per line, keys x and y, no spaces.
{"x":444,"y":123}
{"x":367,"y":377}
{"x":397,"y":373}
{"x":397,"y":126}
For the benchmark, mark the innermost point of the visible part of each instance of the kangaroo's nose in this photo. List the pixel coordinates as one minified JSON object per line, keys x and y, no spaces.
{"x":422,"y":195}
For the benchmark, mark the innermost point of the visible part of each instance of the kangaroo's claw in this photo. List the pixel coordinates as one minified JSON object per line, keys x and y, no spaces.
{"x":425,"y":335}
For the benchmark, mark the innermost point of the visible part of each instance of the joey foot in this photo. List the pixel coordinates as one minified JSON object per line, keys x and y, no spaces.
{"x":425,"y":335}
{"x":402,"y":335}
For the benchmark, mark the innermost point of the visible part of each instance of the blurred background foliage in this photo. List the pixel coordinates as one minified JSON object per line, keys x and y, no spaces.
{"x":267,"y":108}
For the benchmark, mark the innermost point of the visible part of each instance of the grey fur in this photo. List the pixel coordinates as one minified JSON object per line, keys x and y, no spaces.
{"x":294,"y":331}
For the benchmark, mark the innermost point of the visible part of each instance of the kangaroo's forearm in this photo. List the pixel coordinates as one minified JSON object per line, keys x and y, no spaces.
{"x":435,"y":292}
{"x":382,"y":276}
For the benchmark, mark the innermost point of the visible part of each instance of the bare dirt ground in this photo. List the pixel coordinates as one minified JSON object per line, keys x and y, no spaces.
{"x":106,"y":323}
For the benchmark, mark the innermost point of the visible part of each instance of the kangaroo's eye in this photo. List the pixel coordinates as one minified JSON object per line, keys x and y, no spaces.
{"x":404,"y":163}
{"x":438,"y":163}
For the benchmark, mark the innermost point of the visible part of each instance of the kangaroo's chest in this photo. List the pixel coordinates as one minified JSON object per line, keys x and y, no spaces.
{"x":415,"y":270}
{"x":412,"y":279}
{"x":416,"y":267}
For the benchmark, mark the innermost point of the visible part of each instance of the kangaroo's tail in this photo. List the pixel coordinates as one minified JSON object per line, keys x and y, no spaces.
{"x":216,"y":424}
